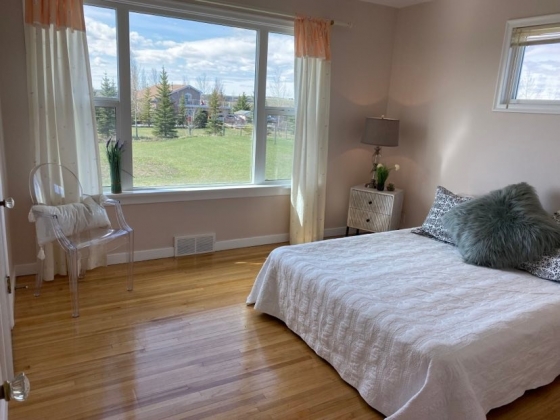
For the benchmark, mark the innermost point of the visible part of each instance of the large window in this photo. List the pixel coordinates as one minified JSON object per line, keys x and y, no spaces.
{"x":198,"y":98}
{"x":530,"y":74}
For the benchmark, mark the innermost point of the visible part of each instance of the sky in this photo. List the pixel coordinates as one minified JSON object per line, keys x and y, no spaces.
{"x":540,"y":72}
{"x":189,"y":51}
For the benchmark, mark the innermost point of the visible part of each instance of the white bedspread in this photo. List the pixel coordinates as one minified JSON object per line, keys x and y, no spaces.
{"x":419,"y":333}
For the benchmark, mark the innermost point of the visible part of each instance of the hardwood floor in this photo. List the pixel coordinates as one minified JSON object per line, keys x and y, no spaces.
{"x":183,"y":345}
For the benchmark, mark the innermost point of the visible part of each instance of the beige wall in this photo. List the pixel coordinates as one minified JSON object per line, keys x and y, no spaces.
{"x":444,"y":75}
{"x":13,"y":91}
{"x":360,"y":81}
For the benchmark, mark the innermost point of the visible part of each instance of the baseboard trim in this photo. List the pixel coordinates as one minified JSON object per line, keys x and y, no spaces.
{"x":154,"y":254}
{"x":144,"y":255}
{"x":247,"y":242}
{"x":339,"y":231}
{"x":25,"y":269}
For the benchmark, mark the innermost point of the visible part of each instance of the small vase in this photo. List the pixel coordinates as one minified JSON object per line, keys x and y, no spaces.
{"x":115,"y":172}
{"x":380,"y":186}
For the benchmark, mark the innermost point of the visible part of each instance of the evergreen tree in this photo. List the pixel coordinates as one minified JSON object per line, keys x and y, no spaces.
{"x":242,"y":103}
{"x":215,"y":125}
{"x":182,"y":114}
{"x":200,"y":119}
{"x":164,"y":115}
{"x":146,"y":108}
{"x":104,"y":116}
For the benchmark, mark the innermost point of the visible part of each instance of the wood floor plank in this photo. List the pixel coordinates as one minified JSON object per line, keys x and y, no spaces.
{"x":183,"y":345}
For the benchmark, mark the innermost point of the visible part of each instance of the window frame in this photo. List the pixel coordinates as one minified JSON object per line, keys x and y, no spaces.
{"x":501,"y":102}
{"x":263,"y":26}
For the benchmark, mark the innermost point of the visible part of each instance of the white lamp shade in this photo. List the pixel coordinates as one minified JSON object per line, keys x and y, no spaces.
{"x":381,"y":132}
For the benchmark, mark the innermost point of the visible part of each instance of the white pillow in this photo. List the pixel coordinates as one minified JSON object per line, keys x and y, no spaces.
{"x":73,"y":218}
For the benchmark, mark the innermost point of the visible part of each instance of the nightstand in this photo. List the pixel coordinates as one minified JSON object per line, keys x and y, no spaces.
{"x":374,"y":211}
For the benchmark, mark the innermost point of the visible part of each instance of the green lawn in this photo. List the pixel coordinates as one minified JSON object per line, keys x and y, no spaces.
{"x":201,"y":158}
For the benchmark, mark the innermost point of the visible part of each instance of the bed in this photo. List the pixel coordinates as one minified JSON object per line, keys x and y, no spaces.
{"x":418,"y":332}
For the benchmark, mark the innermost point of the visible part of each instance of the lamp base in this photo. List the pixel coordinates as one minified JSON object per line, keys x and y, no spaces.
{"x":374,"y":162}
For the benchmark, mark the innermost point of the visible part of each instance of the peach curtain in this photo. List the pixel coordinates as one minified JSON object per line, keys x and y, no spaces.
{"x":312,"y":97}
{"x":313,"y":38}
{"x":61,"y":109}
{"x":61,"y":14}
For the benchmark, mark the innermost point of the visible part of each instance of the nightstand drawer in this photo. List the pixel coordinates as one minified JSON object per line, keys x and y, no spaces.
{"x":377,"y":203}
{"x":366,"y":220}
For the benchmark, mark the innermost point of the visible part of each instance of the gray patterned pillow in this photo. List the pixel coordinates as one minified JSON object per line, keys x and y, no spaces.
{"x":547,"y":267}
{"x":432,"y":227}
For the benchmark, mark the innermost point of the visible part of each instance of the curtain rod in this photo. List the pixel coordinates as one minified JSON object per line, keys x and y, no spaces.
{"x":254,"y":9}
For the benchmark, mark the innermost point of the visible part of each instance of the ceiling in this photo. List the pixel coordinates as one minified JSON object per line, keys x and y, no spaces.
{"x":397,"y":3}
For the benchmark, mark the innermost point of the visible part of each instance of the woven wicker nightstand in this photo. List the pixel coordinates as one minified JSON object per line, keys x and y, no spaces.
{"x":374,"y":211}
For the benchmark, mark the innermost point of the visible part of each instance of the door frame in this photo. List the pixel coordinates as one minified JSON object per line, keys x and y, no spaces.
{"x":6,"y":310}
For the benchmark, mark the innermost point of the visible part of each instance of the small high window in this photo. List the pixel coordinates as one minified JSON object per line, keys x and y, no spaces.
{"x":530,"y":68}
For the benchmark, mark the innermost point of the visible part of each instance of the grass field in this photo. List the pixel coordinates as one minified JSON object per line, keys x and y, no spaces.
{"x":202,"y":158}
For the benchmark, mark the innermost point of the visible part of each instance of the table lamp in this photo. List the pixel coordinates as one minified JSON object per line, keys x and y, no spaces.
{"x":380,"y":132}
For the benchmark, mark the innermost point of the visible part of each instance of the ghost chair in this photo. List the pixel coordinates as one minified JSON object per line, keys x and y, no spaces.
{"x":77,"y":222}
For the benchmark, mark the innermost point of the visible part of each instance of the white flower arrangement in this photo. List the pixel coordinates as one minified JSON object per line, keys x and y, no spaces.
{"x":383,"y":172}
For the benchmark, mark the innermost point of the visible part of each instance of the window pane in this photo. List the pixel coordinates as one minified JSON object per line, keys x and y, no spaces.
{"x":193,"y":104}
{"x":195,"y":158}
{"x":279,"y":146}
{"x":540,"y":73}
{"x":106,"y":120}
{"x":101,"y":31}
{"x":280,"y":71}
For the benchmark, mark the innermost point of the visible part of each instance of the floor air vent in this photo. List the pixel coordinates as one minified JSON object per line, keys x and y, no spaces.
{"x":190,"y":245}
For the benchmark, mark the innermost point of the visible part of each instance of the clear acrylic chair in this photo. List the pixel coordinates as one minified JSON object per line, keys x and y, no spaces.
{"x":53,"y":187}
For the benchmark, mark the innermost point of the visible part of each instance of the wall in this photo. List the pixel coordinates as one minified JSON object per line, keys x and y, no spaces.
{"x":360,"y":82}
{"x":13,"y":91}
{"x":445,"y":70}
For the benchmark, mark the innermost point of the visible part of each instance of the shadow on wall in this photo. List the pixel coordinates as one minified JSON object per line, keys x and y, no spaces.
{"x":349,"y":161}
{"x":421,"y":163}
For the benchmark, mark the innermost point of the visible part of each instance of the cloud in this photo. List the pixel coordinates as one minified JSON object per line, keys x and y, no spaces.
{"x":138,"y":41}
{"x":102,"y":39}
{"x":188,"y":51}
{"x":102,"y":45}
{"x":539,"y":72}
{"x":230,"y":59}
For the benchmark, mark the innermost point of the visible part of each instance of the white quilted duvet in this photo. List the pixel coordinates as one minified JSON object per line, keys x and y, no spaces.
{"x":419,"y":333}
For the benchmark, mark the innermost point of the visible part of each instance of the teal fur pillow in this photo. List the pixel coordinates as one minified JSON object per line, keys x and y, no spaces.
{"x":504,"y":228}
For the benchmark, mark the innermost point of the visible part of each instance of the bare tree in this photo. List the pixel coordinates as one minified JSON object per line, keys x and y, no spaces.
{"x":155,"y":77}
{"x":277,"y":85}
{"x":143,"y":79}
{"x":134,"y":89}
{"x":556,"y":92}
{"x":203,"y":84}
{"x":526,"y":86}
{"x":218,"y":87}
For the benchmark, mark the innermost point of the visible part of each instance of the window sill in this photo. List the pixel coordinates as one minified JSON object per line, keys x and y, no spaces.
{"x":167,"y":195}
{"x":529,"y":108}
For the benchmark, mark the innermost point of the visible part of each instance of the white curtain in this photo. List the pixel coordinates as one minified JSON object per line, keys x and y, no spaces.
{"x":62,"y":114}
{"x":312,"y":84}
